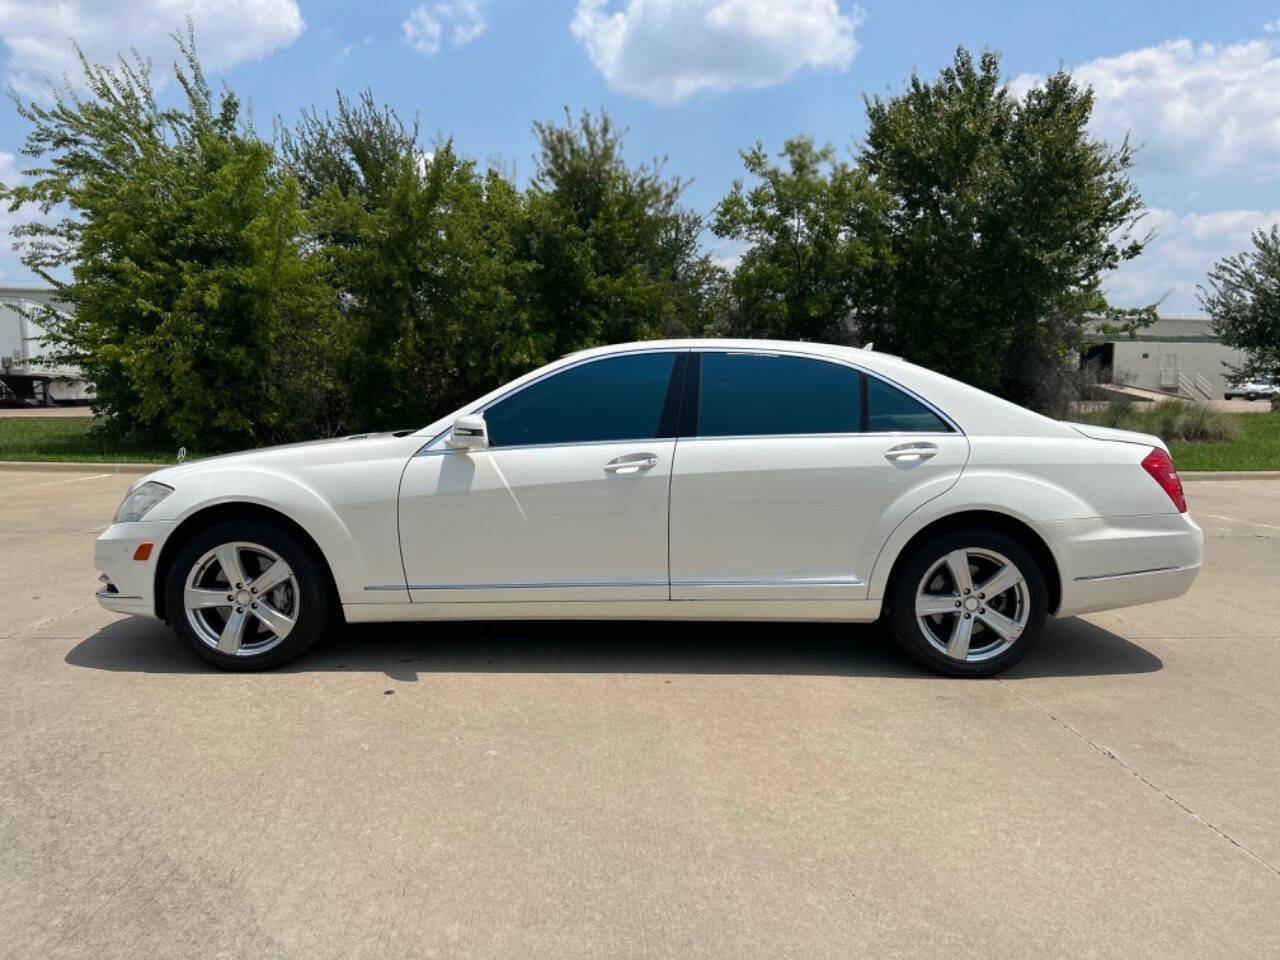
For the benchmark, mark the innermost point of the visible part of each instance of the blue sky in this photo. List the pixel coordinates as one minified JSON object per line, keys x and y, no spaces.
{"x":697,"y":80}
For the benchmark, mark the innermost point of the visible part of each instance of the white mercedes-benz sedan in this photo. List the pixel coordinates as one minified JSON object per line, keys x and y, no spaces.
{"x":670,"y":480}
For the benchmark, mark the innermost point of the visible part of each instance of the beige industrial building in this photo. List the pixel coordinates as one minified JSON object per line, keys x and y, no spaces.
{"x":1177,"y":356}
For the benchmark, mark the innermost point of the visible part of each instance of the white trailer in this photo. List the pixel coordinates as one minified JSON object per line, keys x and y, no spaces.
{"x":25,"y":373}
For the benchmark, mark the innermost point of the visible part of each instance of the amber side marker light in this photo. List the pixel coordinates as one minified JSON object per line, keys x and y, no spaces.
{"x":144,"y":550}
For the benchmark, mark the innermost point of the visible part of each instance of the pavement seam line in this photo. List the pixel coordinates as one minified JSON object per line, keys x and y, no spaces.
{"x":1247,"y":523}
{"x":1135,"y":774}
{"x":36,"y":625}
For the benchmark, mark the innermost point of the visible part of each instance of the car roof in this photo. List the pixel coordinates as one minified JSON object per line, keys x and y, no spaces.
{"x":975,"y":411}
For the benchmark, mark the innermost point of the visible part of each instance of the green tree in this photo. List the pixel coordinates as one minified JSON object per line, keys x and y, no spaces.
{"x":617,"y":257}
{"x":421,"y":250}
{"x":192,"y":298}
{"x":1243,"y":298}
{"x":816,"y":231}
{"x":1004,"y":214}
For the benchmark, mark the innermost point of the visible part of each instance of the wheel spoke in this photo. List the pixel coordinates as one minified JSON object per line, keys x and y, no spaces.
{"x":229,"y":560}
{"x":233,"y":632}
{"x":272,"y":577}
{"x":958,"y":564}
{"x":278,"y":623}
{"x":1003,"y":579}
{"x":199,"y":598}
{"x":932,"y":604}
{"x":958,"y":645}
{"x":1007,"y":628}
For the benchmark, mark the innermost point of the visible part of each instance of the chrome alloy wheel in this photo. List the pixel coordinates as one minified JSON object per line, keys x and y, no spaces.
{"x":973,"y":604}
{"x":241,"y":599}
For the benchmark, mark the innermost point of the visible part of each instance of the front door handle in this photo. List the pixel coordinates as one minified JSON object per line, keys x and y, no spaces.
{"x":631,"y":463}
{"x":917,"y":451}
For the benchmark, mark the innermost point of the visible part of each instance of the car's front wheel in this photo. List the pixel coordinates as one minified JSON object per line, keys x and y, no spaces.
{"x":969,"y":602}
{"x":247,"y":595}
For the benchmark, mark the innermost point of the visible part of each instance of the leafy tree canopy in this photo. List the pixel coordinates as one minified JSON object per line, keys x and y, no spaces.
{"x":1004,"y":212}
{"x":1243,"y":298}
{"x":189,"y":286}
{"x":230,"y":291}
{"x":815,"y":231}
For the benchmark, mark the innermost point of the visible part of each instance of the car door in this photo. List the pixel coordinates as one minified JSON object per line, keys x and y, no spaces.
{"x":790,"y":473}
{"x":569,"y":501}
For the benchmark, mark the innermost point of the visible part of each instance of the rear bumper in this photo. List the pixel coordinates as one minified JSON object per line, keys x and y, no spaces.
{"x":1109,"y":562}
{"x":130,"y":585}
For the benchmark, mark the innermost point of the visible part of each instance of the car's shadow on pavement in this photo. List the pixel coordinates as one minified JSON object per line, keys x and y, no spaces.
{"x":1070,"y":647}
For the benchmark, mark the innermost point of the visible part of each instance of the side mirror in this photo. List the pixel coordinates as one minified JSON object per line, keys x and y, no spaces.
{"x":469,"y":433}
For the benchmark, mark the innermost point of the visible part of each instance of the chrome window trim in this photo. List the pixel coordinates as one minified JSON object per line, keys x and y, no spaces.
{"x":815,"y":436}
{"x":548,"y":446}
{"x":955,"y":427}
{"x":430,"y":447}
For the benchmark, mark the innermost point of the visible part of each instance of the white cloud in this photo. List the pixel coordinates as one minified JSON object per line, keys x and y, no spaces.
{"x":1185,"y":248}
{"x":667,"y":50}
{"x":1210,"y":109}
{"x":11,"y":267}
{"x":427,"y":24}
{"x":37,"y":34}
{"x":10,"y":172}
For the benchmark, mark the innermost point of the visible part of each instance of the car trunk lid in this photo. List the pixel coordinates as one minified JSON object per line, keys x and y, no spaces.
{"x":1094,"y":432}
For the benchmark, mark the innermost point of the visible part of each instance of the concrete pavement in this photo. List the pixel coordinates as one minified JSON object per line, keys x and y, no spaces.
{"x":618,"y":790}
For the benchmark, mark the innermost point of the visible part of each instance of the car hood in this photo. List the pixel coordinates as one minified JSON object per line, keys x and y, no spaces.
{"x":292,"y":454}
{"x":1094,"y":432}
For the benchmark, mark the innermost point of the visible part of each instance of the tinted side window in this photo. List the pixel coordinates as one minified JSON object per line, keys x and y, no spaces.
{"x":891,"y":410}
{"x":747,"y":394}
{"x":618,"y":398}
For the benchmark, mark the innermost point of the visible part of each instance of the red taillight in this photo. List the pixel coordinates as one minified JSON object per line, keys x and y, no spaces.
{"x":1158,"y":464}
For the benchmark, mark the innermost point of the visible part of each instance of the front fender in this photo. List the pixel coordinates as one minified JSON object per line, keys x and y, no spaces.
{"x":353,"y":523}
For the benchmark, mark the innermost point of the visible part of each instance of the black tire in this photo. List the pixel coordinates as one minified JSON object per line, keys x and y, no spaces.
{"x":307,"y":596}
{"x":1251,"y":396}
{"x":996,"y":653}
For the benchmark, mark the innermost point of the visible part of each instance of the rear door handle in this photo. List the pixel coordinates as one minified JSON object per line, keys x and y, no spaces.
{"x":917,"y":451}
{"x":631,"y":463}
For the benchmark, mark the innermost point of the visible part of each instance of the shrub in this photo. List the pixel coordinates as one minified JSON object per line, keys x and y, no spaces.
{"x":1170,"y":420}
{"x":1200,"y":421}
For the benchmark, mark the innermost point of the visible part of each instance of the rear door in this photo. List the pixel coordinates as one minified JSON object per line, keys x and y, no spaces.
{"x":790,"y":473}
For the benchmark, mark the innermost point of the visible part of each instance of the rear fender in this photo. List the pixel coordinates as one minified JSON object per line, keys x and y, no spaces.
{"x":1017,"y":496}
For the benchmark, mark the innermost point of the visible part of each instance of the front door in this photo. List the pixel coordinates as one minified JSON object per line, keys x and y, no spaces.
{"x":794,"y":474}
{"x":568,"y":503}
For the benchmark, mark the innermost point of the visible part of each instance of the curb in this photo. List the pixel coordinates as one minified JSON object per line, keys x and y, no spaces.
{"x":61,"y":466}
{"x":1229,"y":474}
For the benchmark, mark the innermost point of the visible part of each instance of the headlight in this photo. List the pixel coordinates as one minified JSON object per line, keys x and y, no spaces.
{"x":137,"y":503}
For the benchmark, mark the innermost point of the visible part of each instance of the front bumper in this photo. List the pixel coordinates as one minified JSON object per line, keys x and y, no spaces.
{"x":130,"y":584}
{"x":1110,"y":562}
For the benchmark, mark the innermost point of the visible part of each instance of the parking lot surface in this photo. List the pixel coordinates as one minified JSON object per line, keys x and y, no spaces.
{"x":637,"y":790}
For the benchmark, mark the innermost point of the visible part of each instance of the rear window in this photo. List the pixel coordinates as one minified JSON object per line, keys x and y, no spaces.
{"x":754,"y":395}
{"x":890,"y":410}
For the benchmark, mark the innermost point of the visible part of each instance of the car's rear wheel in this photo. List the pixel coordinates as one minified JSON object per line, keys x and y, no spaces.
{"x":247,"y":595}
{"x":1251,"y":396}
{"x":969,"y":603}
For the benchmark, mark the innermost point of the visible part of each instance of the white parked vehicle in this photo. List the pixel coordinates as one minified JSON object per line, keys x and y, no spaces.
{"x":1251,"y":389}
{"x":670,"y":480}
